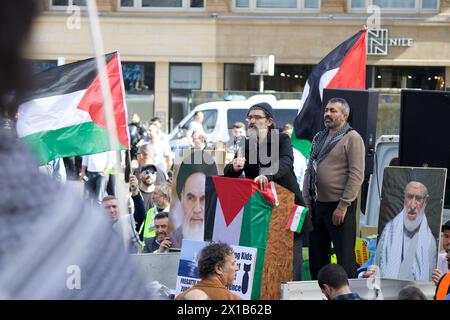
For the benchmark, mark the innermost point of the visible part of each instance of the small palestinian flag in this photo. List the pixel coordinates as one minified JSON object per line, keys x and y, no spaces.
{"x":344,"y":67}
{"x":64,"y":116}
{"x":296,"y":218}
{"x":238,"y":213}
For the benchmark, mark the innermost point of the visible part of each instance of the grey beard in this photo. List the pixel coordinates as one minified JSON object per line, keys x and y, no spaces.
{"x":193,"y":232}
{"x":413,"y":225}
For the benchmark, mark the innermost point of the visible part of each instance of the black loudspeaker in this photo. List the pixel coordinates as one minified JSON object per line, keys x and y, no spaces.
{"x":363,"y":117}
{"x":424,"y":129}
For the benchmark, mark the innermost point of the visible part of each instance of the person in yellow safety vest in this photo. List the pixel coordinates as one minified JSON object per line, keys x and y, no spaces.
{"x":142,"y":194}
{"x":161,"y":200}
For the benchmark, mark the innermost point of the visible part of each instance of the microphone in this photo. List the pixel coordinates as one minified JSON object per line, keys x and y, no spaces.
{"x":239,"y":149}
{"x":239,"y":145}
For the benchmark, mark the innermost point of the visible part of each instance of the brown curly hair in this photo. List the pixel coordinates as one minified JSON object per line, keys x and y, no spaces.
{"x":212,"y":255}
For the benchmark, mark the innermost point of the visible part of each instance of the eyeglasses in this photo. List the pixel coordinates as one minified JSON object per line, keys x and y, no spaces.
{"x":256,"y":117}
{"x":148,"y":171}
{"x":419,"y":198}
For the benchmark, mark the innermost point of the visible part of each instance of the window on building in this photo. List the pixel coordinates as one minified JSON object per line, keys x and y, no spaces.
{"x":358,"y":4}
{"x":406,"y":6}
{"x":237,"y":77}
{"x":65,"y":3}
{"x":161,"y":4}
{"x":395,"y":4}
{"x":287,"y":78}
{"x":197,"y":3}
{"x":126,"y":3}
{"x":42,"y":65}
{"x":311,"y":4}
{"x":430,"y":4}
{"x":138,"y":77}
{"x":183,"y":78}
{"x":139,"y":83}
{"x":426,"y":78}
{"x":242,"y":3}
{"x":277,"y":5}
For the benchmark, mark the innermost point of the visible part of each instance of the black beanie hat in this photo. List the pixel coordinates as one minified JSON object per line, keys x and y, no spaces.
{"x":446,"y":226}
{"x":265,"y":107}
{"x":189,"y":166}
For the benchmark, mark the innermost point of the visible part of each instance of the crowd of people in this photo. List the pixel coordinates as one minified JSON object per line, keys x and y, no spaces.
{"x":32,"y":221}
{"x":334,"y":175}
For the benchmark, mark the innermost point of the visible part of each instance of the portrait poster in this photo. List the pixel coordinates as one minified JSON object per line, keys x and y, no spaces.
{"x":411,"y":209}
{"x":188,"y":273}
{"x":187,"y":205}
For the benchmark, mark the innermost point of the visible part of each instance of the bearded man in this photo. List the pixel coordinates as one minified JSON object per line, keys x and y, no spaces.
{"x":190,"y":188}
{"x":407,"y":248}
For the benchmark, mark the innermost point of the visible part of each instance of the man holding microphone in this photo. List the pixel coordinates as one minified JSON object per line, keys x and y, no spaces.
{"x":268,"y":157}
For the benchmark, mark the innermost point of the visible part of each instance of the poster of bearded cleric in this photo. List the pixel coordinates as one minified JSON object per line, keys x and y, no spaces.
{"x":187,"y":206}
{"x":411,"y":209}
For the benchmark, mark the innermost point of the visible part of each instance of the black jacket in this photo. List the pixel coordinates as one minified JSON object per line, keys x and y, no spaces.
{"x":150,"y":245}
{"x":285,"y":176}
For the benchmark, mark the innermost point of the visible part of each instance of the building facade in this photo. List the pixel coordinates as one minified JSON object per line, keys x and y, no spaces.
{"x":171,"y":47}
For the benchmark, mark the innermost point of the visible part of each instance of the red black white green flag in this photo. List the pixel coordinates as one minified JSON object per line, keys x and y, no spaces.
{"x":64,"y":115}
{"x":344,"y":67}
{"x":238,"y":213}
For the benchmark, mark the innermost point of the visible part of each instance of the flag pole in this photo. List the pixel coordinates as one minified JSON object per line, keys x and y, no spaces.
{"x":129,"y":159}
{"x":97,"y":43}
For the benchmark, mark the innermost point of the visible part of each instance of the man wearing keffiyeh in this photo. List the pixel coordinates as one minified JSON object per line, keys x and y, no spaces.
{"x":332,"y":181}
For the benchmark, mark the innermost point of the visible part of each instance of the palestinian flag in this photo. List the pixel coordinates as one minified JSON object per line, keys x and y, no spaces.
{"x":63,"y":115}
{"x":344,"y":67}
{"x":238,"y":213}
{"x":296,"y":218}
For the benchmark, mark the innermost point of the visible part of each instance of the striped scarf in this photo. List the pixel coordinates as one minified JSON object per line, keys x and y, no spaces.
{"x":319,"y":151}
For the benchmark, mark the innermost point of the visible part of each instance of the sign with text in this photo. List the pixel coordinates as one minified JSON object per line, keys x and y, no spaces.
{"x":378,"y":42}
{"x":185,"y":77}
{"x":188,"y":274}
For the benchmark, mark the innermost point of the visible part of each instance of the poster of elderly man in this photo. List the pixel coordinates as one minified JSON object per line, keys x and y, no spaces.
{"x":410,"y":216}
{"x":187,"y":206}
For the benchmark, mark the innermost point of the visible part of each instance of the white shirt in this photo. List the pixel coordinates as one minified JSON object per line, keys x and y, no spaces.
{"x":98,"y":162}
{"x":196,"y":126}
{"x":164,"y":137}
{"x":442,"y":264}
{"x":161,"y":150}
{"x":300,"y":165}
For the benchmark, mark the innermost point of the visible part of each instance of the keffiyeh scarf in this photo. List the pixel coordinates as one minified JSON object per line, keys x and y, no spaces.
{"x":319,"y":151}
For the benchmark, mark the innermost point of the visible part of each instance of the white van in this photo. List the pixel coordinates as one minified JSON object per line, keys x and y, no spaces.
{"x":219,"y":117}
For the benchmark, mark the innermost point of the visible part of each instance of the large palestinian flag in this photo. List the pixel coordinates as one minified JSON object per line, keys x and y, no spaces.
{"x":238,"y":213}
{"x":344,"y":67}
{"x":64,"y":115}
